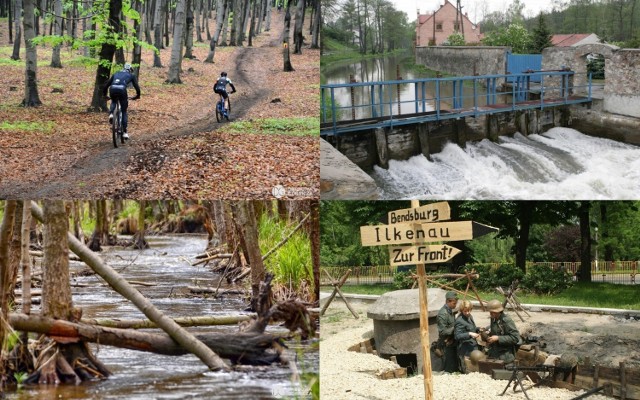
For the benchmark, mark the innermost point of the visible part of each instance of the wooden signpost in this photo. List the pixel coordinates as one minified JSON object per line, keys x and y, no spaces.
{"x":418,"y":225}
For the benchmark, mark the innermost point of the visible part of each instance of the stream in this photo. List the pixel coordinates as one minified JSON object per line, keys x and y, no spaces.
{"x":143,"y":376}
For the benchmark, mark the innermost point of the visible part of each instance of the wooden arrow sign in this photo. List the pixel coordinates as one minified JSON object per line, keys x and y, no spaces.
{"x":377,"y":235}
{"x":422,"y":254}
{"x":433,"y":212}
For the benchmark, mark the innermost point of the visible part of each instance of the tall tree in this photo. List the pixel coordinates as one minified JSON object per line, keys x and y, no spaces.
{"x":221,"y":14}
{"x":31,"y":98}
{"x":541,"y":36}
{"x":585,"y":242}
{"x":175,"y":64}
{"x":6,"y":230}
{"x":315,"y":28}
{"x":188,"y":53}
{"x":298,"y":36}
{"x":157,"y":33}
{"x":17,"y":12}
{"x":107,"y":51}
{"x":246,"y":221}
{"x":286,"y":56}
{"x":139,"y":242}
{"x":57,"y":23}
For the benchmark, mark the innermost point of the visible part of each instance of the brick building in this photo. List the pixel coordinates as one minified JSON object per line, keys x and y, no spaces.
{"x":436,"y":27}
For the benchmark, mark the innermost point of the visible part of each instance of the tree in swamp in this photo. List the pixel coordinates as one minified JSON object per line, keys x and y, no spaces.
{"x":139,"y":242}
{"x":59,"y":360}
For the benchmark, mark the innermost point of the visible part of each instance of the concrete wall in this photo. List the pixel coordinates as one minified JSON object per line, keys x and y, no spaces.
{"x":622,"y":90}
{"x":462,"y":60}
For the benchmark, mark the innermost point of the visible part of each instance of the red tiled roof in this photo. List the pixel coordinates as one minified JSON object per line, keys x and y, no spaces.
{"x":568,"y":40}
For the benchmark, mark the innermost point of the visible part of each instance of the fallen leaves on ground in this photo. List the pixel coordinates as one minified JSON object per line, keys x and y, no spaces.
{"x":177,"y":149}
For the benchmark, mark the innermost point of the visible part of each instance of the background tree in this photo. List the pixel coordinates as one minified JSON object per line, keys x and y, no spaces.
{"x":286,"y":57}
{"x":541,"y":36}
{"x":175,"y":64}
{"x":31,"y":98}
{"x":244,"y":216}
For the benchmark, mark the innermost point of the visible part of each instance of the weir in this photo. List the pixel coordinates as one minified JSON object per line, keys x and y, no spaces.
{"x":378,"y":126}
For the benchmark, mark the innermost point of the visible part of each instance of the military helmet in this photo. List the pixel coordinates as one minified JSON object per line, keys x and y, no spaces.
{"x":476,"y":355}
{"x":495,"y":306}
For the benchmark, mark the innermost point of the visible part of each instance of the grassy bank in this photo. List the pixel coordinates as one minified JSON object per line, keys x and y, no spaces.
{"x":599,"y":295}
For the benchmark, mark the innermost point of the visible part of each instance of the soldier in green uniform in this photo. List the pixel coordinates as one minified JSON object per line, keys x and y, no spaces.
{"x":446,"y":323}
{"x":466,"y":332}
{"x":503,"y":334}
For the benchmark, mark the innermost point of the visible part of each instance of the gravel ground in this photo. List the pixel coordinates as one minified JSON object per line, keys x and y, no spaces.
{"x":350,"y":375}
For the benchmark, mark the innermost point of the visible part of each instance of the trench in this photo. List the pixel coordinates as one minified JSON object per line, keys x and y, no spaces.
{"x":143,"y":376}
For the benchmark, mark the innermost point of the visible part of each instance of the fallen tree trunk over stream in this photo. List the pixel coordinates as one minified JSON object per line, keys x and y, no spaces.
{"x":240,"y":347}
{"x":186,"y":321}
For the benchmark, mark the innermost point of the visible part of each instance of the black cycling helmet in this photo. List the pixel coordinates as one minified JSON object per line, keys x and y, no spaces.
{"x":223,"y":74}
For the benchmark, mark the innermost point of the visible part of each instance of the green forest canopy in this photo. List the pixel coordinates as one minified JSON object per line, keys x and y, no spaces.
{"x":554,"y":234}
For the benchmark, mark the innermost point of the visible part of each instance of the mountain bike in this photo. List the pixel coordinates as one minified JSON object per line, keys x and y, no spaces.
{"x":221,"y":110}
{"x":116,"y":125}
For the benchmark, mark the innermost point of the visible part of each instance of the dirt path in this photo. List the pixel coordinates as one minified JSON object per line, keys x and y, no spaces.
{"x":164,"y":125}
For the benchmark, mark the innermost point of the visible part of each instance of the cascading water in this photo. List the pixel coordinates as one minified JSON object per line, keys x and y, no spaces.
{"x":561,"y":164}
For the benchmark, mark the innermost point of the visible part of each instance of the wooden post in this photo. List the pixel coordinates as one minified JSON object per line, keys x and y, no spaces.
{"x":424,"y":326}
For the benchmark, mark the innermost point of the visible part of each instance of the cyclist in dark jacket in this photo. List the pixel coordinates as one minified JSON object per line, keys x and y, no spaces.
{"x":117,"y":86}
{"x":220,"y":87}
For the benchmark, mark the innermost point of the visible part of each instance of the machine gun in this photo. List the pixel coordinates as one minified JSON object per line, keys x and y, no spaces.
{"x":515,"y":376}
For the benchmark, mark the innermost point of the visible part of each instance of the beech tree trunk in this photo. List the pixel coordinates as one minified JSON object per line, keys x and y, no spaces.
{"x":184,"y":338}
{"x":286,"y":57}
{"x":315,"y":28}
{"x":17,"y":12}
{"x":175,"y":64}
{"x":31,"y":98}
{"x":139,"y":242}
{"x":6,"y":230}
{"x":314,"y":236}
{"x":157,"y":33}
{"x":56,"y":290}
{"x":188,"y":53}
{"x":298,"y":27}
{"x":57,"y":23}
{"x":246,"y":221}
{"x":108,"y":49}
{"x":221,"y":14}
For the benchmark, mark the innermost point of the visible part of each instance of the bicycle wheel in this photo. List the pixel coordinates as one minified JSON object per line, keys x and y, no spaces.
{"x":115,"y":125}
{"x":219,"y":112}
{"x":228,"y":108}
{"x":122,"y":139}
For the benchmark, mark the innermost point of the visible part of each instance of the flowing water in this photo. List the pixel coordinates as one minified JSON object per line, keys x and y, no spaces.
{"x":144,"y":376}
{"x":561,"y":164}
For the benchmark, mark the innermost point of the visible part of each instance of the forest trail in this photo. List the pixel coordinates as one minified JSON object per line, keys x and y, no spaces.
{"x":172,"y":160}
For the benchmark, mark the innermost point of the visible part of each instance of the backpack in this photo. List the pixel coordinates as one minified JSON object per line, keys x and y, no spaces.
{"x":221,"y":83}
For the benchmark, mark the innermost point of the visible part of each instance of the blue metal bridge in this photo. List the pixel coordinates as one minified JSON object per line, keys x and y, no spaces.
{"x":359,"y":106}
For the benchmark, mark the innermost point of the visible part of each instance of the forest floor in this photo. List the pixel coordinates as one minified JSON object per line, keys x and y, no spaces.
{"x":177,"y":149}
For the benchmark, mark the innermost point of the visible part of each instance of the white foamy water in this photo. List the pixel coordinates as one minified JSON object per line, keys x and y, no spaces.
{"x":561,"y":164}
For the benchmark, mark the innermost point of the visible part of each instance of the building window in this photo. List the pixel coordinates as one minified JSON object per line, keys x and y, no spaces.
{"x":456,"y":26}
{"x":439,"y":27}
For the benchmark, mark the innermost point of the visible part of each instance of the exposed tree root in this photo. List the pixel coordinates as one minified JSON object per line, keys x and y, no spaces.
{"x":65,"y":363}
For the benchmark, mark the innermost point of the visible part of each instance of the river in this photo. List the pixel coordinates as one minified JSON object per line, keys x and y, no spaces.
{"x":561,"y":163}
{"x":144,"y":376}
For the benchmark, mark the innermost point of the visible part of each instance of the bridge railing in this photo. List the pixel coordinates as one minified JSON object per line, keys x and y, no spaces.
{"x":400,"y":102}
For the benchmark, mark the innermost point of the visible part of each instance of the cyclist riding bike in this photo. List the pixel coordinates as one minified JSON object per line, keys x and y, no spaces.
{"x":220,"y":87}
{"x":117,"y":86}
